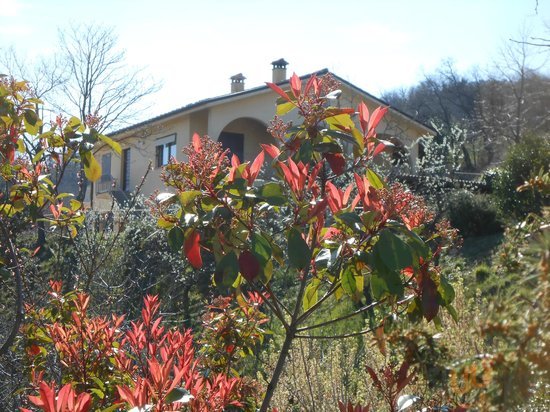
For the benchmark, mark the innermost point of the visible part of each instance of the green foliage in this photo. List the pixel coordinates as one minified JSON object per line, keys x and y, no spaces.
{"x":513,"y":371}
{"x":524,"y":160}
{"x":473,"y":214}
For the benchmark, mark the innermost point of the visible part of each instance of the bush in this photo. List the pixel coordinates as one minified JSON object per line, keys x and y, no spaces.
{"x":523,"y":161}
{"x":473,"y":214}
{"x":482,"y":273}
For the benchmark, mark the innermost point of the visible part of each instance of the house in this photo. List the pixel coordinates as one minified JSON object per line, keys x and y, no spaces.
{"x":238,"y":120}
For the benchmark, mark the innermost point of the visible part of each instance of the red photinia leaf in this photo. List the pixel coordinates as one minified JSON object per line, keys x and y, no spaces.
{"x":374,"y":377}
{"x":255,"y":167}
{"x":377,"y":115}
{"x":430,"y":306}
{"x":271,"y":150}
{"x":402,"y":376}
{"x":334,"y":197}
{"x":197,"y":144}
{"x":296,"y":85}
{"x":65,"y":396}
{"x":249,"y":266}
{"x":363,"y":116}
{"x":235,"y":162}
{"x":33,"y":350}
{"x":318,"y":209}
{"x":331,"y":232}
{"x":337,"y":162}
{"x":289,"y":177}
{"x":313,"y":175}
{"x":278,"y":90}
{"x":378,"y":149}
{"x":192,"y":249}
{"x":83,"y":402}
{"x":46,"y":400}
{"x":312,"y":82}
{"x":347,"y":194}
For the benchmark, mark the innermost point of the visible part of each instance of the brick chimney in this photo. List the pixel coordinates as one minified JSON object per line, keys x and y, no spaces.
{"x":237,"y":83}
{"x":279,"y":70}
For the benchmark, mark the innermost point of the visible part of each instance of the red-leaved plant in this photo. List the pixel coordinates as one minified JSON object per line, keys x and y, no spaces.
{"x":104,"y":364}
{"x":353,"y":242}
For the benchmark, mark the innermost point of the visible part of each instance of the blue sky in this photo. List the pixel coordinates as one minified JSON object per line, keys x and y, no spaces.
{"x":195,"y":46}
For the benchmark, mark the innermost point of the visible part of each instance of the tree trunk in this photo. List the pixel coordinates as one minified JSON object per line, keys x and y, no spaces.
{"x":289,"y":337}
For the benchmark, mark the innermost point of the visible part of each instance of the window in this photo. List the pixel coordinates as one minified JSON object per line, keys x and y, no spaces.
{"x":126,"y":170}
{"x":234,"y":142}
{"x":106,"y":180}
{"x":165,"y":149}
{"x":106,"y":166}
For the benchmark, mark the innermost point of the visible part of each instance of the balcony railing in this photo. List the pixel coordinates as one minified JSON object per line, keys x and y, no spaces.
{"x":106,"y":183}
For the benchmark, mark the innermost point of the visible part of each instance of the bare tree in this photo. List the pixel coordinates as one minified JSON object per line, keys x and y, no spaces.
{"x":98,"y":80}
{"x":514,"y":99}
{"x":43,"y":74}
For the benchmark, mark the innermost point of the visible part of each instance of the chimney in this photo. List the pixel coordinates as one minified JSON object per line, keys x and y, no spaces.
{"x":279,"y":70}
{"x":237,"y":83}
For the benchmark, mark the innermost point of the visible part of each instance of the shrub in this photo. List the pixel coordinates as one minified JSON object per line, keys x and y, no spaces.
{"x":473,"y":215}
{"x":524,"y":161}
{"x":482,"y":273}
{"x":103,"y":362}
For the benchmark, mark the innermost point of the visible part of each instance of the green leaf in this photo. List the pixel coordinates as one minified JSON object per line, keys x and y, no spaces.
{"x":112,"y":144}
{"x":176,"y":238}
{"x":284,"y":108}
{"x":20,"y":146}
{"x":347,"y":279}
{"x":327,"y":147}
{"x":187,"y":197}
{"x":388,"y":280}
{"x":342,"y":136}
{"x":261,"y":248}
{"x":74,"y":122}
{"x":378,"y":286}
{"x":273,"y":194}
{"x":359,"y":283}
{"x":32,"y":122}
{"x":92,"y":169}
{"x":227,"y":269}
{"x":374,"y":179}
{"x":393,"y":251}
{"x":7,"y":209}
{"x":99,"y":383}
{"x":98,"y":392}
{"x":164,"y":224}
{"x":38,"y":156}
{"x":343,"y":119}
{"x":75,"y":204}
{"x":351,"y":220}
{"x":311,"y":294}
{"x":446,"y":291}
{"x":452,"y":311}
{"x":267,"y":272}
{"x":358,"y":137}
{"x":178,"y":395}
{"x":298,"y":250}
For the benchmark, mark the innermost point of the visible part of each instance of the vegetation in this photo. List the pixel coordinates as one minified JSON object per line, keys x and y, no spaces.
{"x":296,"y":293}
